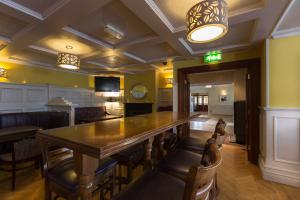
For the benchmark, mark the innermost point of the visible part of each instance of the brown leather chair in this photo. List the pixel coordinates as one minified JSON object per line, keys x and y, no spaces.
{"x":61,"y":178}
{"x":197,"y":144}
{"x":178,"y":162}
{"x":159,"y":185}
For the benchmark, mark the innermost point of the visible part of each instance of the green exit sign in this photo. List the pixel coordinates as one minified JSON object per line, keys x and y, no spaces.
{"x":213,"y":56}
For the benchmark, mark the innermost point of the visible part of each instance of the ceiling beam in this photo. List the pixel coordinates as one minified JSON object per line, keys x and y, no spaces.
{"x":72,"y":11}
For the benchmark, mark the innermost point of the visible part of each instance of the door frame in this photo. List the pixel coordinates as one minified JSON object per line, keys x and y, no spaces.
{"x":252,"y":96}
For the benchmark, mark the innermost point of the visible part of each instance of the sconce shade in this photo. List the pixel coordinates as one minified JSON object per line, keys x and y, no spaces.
{"x":3,"y":72}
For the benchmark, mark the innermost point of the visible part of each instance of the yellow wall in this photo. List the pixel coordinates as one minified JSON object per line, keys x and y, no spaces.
{"x":162,"y":79}
{"x":284,"y":66}
{"x":148,"y":79}
{"x":17,"y":73}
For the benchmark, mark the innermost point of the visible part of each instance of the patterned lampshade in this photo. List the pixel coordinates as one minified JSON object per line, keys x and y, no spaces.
{"x":207,"y":21}
{"x":68,"y":61}
{"x":3,"y":72}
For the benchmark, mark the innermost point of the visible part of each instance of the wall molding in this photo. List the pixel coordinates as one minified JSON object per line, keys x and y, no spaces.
{"x":286,"y":33}
{"x":279,"y":158}
{"x":278,"y":175}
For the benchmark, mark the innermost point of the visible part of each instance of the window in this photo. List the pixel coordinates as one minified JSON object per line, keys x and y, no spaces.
{"x":200,"y":102}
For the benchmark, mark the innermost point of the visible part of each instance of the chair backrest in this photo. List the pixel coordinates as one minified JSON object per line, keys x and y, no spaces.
{"x":200,"y":182}
{"x":220,"y":127}
{"x":52,"y":154}
{"x":25,"y":149}
{"x":220,"y":134}
{"x":89,"y":112}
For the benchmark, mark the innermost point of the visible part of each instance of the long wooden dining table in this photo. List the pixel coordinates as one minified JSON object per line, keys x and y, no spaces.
{"x":93,"y":141}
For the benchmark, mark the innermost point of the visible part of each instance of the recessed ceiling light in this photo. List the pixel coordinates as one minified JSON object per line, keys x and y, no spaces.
{"x":113,"y":31}
{"x":69,"y":47}
{"x":68,"y":61}
{"x":207,"y":21}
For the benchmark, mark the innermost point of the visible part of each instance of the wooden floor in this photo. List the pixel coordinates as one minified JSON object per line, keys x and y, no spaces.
{"x":238,"y":180}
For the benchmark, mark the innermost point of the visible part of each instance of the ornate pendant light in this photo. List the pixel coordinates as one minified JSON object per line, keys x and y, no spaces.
{"x":207,"y":21}
{"x":68,"y":61}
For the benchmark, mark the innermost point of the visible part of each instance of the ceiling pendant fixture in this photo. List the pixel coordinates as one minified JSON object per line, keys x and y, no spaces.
{"x":68,"y":61}
{"x":207,"y":21}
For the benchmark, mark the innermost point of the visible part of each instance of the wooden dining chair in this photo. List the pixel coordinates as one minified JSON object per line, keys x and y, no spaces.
{"x":159,"y":185}
{"x":22,"y":151}
{"x":61,"y":177}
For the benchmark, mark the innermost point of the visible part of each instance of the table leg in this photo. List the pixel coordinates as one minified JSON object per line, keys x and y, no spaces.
{"x":86,"y":181}
{"x":162,"y":151}
{"x":148,"y":156}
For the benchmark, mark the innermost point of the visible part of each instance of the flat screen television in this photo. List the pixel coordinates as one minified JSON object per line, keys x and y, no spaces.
{"x":107,"y":84}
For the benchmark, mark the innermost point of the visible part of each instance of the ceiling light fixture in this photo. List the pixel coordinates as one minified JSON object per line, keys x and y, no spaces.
{"x":113,"y":31}
{"x":207,"y":21}
{"x":69,"y":47}
{"x":208,"y":86}
{"x":68,"y":61}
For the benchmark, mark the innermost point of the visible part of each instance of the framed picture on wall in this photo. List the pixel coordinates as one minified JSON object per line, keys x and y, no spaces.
{"x":223,"y":98}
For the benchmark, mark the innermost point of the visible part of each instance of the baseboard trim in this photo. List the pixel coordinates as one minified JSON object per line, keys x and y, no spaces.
{"x":271,"y":173}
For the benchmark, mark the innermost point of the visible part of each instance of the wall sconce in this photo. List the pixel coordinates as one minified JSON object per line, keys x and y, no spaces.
{"x":170,"y":81}
{"x":223,"y":92}
{"x":3,"y":72}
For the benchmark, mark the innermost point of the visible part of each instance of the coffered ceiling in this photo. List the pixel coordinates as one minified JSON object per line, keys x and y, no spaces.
{"x":153,"y":31}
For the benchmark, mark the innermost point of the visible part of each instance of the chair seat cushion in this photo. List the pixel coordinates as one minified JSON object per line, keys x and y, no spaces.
{"x":179,"y":162}
{"x":64,"y":173}
{"x":193,"y":144}
{"x":154,"y":185}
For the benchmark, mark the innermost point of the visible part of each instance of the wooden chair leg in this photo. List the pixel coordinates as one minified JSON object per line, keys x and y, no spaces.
{"x":113,"y":184}
{"x":129,"y":172}
{"x":42,"y":168}
{"x":102,"y":194}
{"x":48,"y":195}
{"x":120,"y":177}
{"x":13,"y":177}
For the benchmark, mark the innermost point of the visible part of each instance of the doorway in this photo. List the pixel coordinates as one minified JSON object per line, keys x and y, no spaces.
{"x":252,"y":97}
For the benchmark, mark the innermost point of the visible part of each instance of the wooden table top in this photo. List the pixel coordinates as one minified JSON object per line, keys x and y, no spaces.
{"x":15,"y":133}
{"x":106,"y":137}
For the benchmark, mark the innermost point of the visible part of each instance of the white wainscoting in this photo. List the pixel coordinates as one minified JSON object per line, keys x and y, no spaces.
{"x":280,"y":145}
{"x":30,"y":98}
